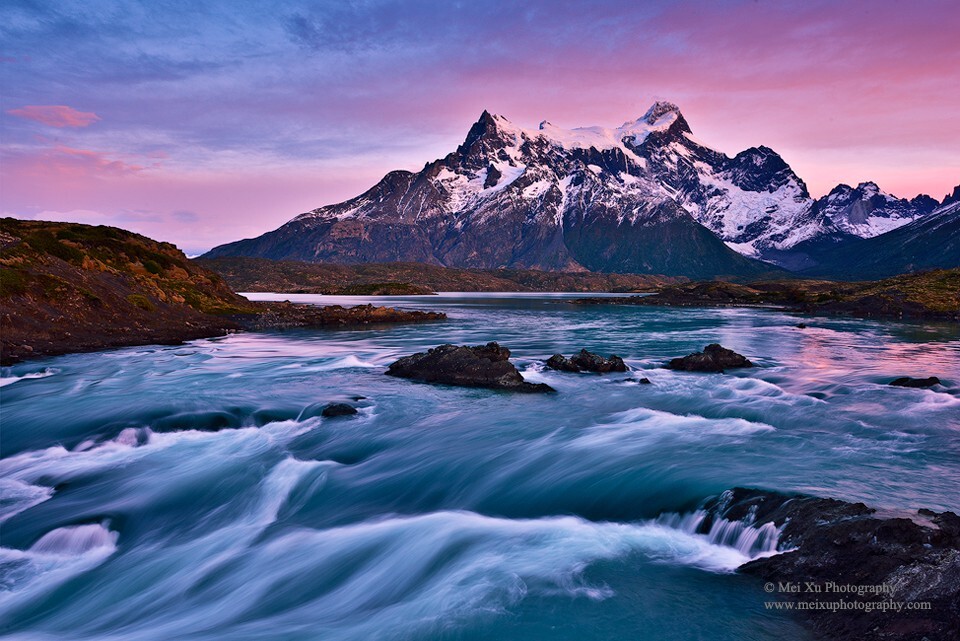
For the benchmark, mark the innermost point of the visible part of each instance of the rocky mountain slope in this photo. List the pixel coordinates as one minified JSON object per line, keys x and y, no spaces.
{"x":67,"y":287}
{"x":638,"y":198}
{"x":566,"y":200}
{"x":930,"y":242}
{"x":844,"y":216}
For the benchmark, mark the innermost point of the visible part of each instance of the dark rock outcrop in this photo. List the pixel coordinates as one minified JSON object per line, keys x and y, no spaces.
{"x":713,"y":358}
{"x":561,"y":363}
{"x":287,"y":315}
{"x":906,"y":381}
{"x":479,"y":366}
{"x":844,"y":552}
{"x":585,"y":361}
{"x":338,"y":409}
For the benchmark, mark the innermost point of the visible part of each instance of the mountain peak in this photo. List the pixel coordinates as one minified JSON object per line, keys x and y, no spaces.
{"x":665,"y":117}
{"x":489,"y":127}
{"x":659,"y":109}
{"x":952,"y":198}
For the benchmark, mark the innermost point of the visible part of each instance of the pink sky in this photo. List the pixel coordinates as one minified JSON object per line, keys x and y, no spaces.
{"x":208,"y":127}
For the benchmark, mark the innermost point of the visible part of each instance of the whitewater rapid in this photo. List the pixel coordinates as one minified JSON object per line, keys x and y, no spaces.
{"x":196,"y":491}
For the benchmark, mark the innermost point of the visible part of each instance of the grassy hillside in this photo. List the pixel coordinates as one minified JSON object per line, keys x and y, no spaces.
{"x":263,"y":275}
{"x":67,"y":287}
{"x":67,"y":284}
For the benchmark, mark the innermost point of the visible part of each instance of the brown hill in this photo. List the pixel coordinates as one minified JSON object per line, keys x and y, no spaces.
{"x":67,"y":287}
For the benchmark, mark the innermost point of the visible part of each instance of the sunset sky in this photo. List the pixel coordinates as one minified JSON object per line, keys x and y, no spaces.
{"x":204,"y":122}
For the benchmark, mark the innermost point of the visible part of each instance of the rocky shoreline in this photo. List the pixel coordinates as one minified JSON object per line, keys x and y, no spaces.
{"x":18,"y":347}
{"x":850,"y":573}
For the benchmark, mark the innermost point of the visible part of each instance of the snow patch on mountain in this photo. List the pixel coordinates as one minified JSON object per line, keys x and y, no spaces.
{"x":753,"y":201}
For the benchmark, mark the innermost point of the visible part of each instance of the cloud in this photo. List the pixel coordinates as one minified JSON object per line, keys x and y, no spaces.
{"x":61,"y":164}
{"x":91,"y":162}
{"x":185,"y":216}
{"x":55,"y":115}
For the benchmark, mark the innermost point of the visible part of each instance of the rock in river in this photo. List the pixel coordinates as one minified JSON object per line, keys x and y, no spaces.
{"x":585,"y":361}
{"x":338,"y":409}
{"x":906,"y":381}
{"x":477,"y":366}
{"x":713,"y":358}
{"x":833,"y":551}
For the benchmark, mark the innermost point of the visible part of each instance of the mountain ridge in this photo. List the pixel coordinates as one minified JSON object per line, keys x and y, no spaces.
{"x":645,"y":197}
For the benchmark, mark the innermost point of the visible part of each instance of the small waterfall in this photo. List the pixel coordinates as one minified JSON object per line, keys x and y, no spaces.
{"x":742,"y":535}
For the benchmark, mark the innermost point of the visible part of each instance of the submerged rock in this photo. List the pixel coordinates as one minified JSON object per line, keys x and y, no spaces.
{"x":477,"y":366}
{"x":906,"y":381}
{"x":338,"y":409}
{"x":713,"y":358}
{"x":839,"y":551}
{"x":585,"y":361}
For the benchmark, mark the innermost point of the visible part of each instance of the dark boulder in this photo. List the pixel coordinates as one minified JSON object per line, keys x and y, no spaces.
{"x":644,"y":381}
{"x":713,"y":358}
{"x":837,"y":550}
{"x":906,"y":381}
{"x":478,"y":366}
{"x":585,"y":361}
{"x":562,"y":363}
{"x":338,"y":409}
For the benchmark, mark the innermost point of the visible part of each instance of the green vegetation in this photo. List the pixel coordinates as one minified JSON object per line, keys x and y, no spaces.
{"x":13,"y":282}
{"x":930,"y":294}
{"x":44,"y":241}
{"x":103,"y":264}
{"x":142,"y":302}
{"x":152,"y":267}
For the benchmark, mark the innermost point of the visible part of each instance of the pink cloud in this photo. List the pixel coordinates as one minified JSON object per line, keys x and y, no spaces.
{"x":65,"y":165}
{"x":93,"y":162}
{"x":55,"y":115}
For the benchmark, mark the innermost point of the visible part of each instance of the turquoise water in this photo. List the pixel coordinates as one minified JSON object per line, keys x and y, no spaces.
{"x":194,"y":492}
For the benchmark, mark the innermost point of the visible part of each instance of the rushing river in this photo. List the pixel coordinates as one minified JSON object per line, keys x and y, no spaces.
{"x":195,"y":492}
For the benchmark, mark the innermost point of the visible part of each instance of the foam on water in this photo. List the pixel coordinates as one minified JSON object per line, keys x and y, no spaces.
{"x":57,"y":557}
{"x":409,"y":575}
{"x":344,"y":362}
{"x":10,"y":380}
{"x":750,"y":541}
{"x":75,"y":540}
{"x":441,"y":512}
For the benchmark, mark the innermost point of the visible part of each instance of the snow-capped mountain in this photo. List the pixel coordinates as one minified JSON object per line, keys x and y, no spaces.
{"x":932,"y":241}
{"x":637,"y":198}
{"x":844,"y":215}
